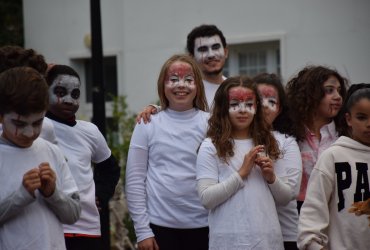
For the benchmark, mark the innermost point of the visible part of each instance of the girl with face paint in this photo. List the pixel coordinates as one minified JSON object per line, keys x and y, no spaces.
{"x":289,"y":165}
{"x":82,"y":144}
{"x":235,"y":171}
{"x":37,"y":190}
{"x":314,"y":97}
{"x":160,"y":176}
{"x":207,"y":45}
{"x":339,"y":183}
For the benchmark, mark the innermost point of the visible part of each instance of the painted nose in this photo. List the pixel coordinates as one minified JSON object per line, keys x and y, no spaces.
{"x":28,"y":132}
{"x":211,"y":53}
{"x":181,"y":84}
{"x":68,"y":99}
{"x":243,"y":108}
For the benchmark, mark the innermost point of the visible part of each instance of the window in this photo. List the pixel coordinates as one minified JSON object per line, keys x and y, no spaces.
{"x":110,"y":77}
{"x":253,"y":58}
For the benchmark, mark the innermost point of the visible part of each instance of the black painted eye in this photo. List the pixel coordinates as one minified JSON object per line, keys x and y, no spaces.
{"x":202,"y":49}
{"x":60,"y":91}
{"x":75,"y":94}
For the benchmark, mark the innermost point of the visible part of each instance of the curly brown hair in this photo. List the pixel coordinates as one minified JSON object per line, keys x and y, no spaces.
{"x":304,"y":94}
{"x":15,"y":56}
{"x":220,"y":127}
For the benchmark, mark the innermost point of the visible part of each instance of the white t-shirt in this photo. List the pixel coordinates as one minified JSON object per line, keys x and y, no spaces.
{"x":210,"y":90}
{"x":27,"y":222}
{"x":247,"y":219}
{"x":160,"y":173}
{"x":83,"y":144}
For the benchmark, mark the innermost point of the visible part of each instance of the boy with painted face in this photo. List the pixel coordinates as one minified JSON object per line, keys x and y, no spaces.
{"x":15,"y":56}
{"x":82,"y":144}
{"x":207,"y":45}
{"x":38,"y":192}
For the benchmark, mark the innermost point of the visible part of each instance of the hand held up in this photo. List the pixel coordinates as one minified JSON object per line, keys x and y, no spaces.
{"x":249,"y":160}
{"x":47,"y":178}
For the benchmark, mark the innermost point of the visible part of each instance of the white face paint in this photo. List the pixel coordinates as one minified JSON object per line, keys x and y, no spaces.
{"x":207,"y":48}
{"x":65,"y":89}
{"x":270,"y":103}
{"x":22,"y":130}
{"x":241,"y":100}
{"x":176,"y":81}
{"x":236,"y":107}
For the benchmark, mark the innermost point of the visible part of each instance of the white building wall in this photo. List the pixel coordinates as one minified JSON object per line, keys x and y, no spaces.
{"x":144,"y":33}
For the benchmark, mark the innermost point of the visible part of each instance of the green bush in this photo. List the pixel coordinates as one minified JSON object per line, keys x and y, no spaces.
{"x":118,"y":137}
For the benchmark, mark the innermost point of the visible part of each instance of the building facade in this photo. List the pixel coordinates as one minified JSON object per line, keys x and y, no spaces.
{"x":277,"y":36}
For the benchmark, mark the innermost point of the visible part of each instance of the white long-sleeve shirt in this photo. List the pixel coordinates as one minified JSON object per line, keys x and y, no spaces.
{"x":161,"y":172}
{"x":289,"y":169}
{"x":34,"y":223}
{"x":243,"y":215}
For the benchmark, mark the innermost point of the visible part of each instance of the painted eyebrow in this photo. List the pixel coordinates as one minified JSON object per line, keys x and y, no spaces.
{"x":24,"y":122}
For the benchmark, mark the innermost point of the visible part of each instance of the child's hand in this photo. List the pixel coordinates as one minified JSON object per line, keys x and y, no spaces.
{"x":145,"y":114}
{"x":148,"y":244}
{"x":267,"y":168}
{"x":48,"y":179}
{"x":361,"y":207}
{"x":31,"y":181}
{"x":249,"y":160}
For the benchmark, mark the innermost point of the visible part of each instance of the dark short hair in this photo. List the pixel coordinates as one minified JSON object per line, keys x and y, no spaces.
{"x":59,"y":69}
{"x":23,"y":90}
{"x":205,"y":30}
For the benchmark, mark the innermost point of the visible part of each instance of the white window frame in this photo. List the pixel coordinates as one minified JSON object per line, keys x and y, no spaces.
{"x":268,"y":42}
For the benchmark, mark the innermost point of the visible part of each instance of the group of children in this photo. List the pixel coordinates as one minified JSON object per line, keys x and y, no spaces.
{"x":50,"y":191}
{"x":226,"y":176}
{"x":239,"y":171}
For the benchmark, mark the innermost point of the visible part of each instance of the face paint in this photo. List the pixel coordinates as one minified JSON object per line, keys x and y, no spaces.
{"x":207,"y":48}
{"x":242,"y":99}
{"x":269,"y":97}
{"x":180,"y":75}
{"x":22,"y":130}
{"x":65,"y":89}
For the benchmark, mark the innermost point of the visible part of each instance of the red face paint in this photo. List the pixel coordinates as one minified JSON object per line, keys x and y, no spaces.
{"x":268,"y":91}
{"x":179,"y":69}
{"x":241,"y":94}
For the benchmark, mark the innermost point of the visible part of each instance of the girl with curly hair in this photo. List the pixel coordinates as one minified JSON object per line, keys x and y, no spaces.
{"x":315,"y":96}
{"x":339,"y":181}
{"x":235,"y":173}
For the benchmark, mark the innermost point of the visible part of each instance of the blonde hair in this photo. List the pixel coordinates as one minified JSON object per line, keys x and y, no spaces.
{"x":200,"y":101}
